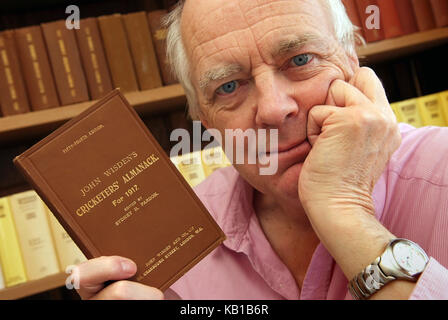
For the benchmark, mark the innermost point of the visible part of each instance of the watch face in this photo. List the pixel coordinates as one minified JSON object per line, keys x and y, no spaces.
{"x":409,"y":257}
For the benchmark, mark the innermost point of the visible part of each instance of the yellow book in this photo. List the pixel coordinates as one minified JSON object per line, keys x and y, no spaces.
{"x":67,"y":251}
{"x":444,"y":99}
{"x":190,"y":166}
{"x":409,"y":112}
{"x":431,"y":110}
{"x":213,"y":159}
{"x":10,"y":254}
{"x":2,"y":280}
{"x":34,"y":235}
{"x":394,"y":107}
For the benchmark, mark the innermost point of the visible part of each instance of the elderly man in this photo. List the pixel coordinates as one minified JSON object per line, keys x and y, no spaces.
{"x":349,"y":180}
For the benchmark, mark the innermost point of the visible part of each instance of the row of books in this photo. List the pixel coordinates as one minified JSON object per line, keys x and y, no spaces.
{"x":397,"y":17}
{"x":429,"y":110}
{"x":32,"y":242}
{"x":49,"y":65}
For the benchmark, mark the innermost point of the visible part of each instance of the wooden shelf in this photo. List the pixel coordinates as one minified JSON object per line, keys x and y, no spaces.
{"x":43,"y":122}
{"x":33,"y":287}
{"x":396,"y":47}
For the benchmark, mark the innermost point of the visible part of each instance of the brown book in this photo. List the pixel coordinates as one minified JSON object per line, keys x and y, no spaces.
{"x":159,"y":40}
{"x":13,"y":98}
{"x":122,"y":195}
{"x":406,"y":16}
{"x":423,"y":14}
{"x":440,"y":10}
{"x":142,"y":49}
{"x":93,"y":58}
{"x":36,"y":68}
{"x":352,"y":12}
{"x":66,"y":62}
{"x":390,"y":19}
{"x":370,"y":34}
{"x":117,"y":51}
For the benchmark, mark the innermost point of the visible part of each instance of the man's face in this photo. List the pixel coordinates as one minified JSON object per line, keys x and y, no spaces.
{"x":263,"y":64}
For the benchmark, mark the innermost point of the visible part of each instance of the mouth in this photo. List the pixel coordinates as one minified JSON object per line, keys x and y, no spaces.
{"x":296,"y":152}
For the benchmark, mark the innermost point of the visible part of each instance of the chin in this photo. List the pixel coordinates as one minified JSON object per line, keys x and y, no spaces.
{"x":288,"y":180}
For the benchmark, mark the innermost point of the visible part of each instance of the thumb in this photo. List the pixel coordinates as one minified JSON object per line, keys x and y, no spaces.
{"x":318,"y":118}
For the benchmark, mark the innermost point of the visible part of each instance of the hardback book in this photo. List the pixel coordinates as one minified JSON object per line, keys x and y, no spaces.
{"x":213,"y":159}
{"x":34,"y":235}
{"x":431,"y":110}
{"x":118,"y":55}
{"x":352,"y":12}
{"x":440,"y":10}
{"x":390,"y":19}
{"x":93,"y":58}
{"x":2,"y":280}
{"x":67,"y":251}
{"x":444,"y":99}
{"x":159,"y":39}
{"x":406,"y":15}
{"x":13,"y":97}
{"x":190,"y":166}
{"x":10,"y":253}
{"x":423,"y":14}
{"x":36,"y":68}
{"x":394,"y":107}
{"x":122,"y":195}
{"x":409,"y":112}
{"x":371,"y":34}
{"x":142,"y":49}
{"x":66,"y":62}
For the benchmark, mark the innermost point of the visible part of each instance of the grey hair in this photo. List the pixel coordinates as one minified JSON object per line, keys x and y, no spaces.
{"x":345,"y":33}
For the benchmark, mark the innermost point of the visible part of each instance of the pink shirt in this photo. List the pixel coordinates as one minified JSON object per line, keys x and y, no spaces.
{"x":411,"y":200}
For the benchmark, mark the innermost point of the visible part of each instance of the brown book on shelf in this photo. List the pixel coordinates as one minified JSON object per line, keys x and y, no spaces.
{"x":36,"y":68}
{"x":390,"y":19}
{"x":93,"y":58}
{"x":159,"y":40}
{"x":66,"y":62}
{"x":142,"y":49}
{"x":371,"y":34}
{"x":13,"y":98}
{"x":117,"y":51}
{"x":406,"y":16}
{"x":122,"y":195}
{"x":440,"y":10}
{"x":352,"y":12}
{"x":423,"y":14}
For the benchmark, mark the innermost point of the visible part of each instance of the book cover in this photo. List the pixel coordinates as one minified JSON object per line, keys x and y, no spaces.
{"x":352,"y":12}
{"x":36,"y":68}
{"x":390,"y":19}
{"x":142,"y":49}
{"x":431,"y":110}
{"x":190,"y":166}
{"x":159,"y":39}
{"x":409,"y":112}
{"x":66,"y":62}
{"x":406,"y":16}
{"x":444,"y":99}
{"x":118,"y":54}
{"x":423,"y":14}
{"x":371,"y":34}
{"x":122,"y":195}
{"x":10,"y":253}
{"x":440,"y":11}
{"x":13,"y":97}
{"x":213,"y":159}
{"x":93,"y":58}
{"x":34,"y":235}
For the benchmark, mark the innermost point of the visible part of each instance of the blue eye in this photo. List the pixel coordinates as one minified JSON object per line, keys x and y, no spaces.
{"x":228,"y":88}
{"x":301,"y":59}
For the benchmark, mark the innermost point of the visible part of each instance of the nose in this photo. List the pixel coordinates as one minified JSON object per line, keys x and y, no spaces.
{"x":274,"y":103}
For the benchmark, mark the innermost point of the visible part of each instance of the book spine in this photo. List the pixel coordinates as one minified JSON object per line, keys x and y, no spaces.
{"x":440,"y":11}
{"x":190,"y":166}
{"x":371,"y":34}
{"x":117,"y":51}
{"x":444,"y":100}
{"x":390,"y":19}
{"x":352,"y":12}
{"x":431,"y":110}
{"x":10,"y":253}
{"x":142,"y":49}
{"x":159,"y":39}
{"x":66,"y":63}
{"x":2,"y":279}
{"x":213,"y":159}
{"x":34,"y":235}
{"x":36,"y":68}
{"x":394,"y":107}
{"x":13,"y":97}
{"x":93,"y":58}
{"x":406,"y":15}
{"x":409,"y":112}
{"x":423,"y":14}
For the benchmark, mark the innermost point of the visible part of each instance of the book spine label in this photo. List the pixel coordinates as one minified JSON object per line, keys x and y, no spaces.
{"x":440,"y":10}
{"x":117,"y":51}
{"x":409,"y":112}
{"x":66,"y":63}
{"x":423,"y":14}
{"x":390,"y":19}
{"x":431,"y":110}
{"x":36,"y":68}
{"x":406,"y":15}
{"x":10,"y":253}
{"x":13,"y":97}
{"x":159,"y":38}
{"x":371,"y":34}
{"x":142,"y":49}
{"x":93,"y":58}
{"x":444,"y":100}
{"x":34,"y":235}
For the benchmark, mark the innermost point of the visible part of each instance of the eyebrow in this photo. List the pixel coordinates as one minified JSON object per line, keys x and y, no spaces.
{"x":294,"y":44}
{"x":219,"y":73}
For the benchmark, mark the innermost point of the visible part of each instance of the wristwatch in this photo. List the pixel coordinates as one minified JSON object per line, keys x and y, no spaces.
{"x":402,"y":259}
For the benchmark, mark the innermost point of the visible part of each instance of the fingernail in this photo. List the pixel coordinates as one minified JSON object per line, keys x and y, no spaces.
{"x":127,"y":266}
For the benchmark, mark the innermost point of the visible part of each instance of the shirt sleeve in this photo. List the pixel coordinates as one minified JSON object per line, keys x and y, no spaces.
{"x":432,"y":284}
